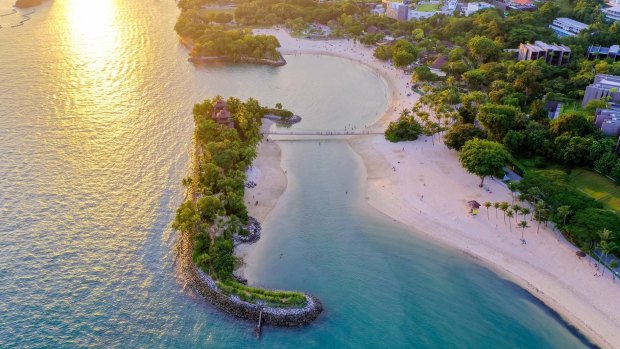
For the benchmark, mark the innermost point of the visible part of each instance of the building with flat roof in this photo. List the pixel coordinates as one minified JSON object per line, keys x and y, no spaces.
{"x":397,"y":11}
{"x":612,"y":13}
{"x":599,"y":52}
{"x":473,"y":7}
{"x":567,"y":27}
{"x":608,"y":121}
{"x":601,"y":115}
{"x":552,"y":54}
{"x":604,"y":86}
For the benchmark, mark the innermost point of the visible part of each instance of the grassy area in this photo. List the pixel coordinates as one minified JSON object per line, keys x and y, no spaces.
{"x":279,"y":299}
{"x":427,"y":8}
{"x":591,"y":183}
{"x":571,"y":106}
{"x":597,"y":187}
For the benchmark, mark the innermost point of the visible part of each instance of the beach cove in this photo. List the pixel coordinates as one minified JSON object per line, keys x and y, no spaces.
{"x":424,"y":187}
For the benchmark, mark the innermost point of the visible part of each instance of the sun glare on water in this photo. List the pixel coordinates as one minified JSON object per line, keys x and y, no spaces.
{"x":92,"y":29}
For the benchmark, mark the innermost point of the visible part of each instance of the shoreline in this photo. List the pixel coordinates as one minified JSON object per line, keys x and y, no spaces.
{"x":267,"y":173}
{"x":204,"y":285}
{"x":547,"y":268}
{"x":241,"y":60}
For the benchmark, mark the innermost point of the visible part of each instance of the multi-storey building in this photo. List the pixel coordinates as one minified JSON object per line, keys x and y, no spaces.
{"x":397,"y":11}
{"x":552,"y":54}
{"x":604,"y":87}
{"x":612,"y":13}
{"x":599,"y":52}
{"x":567,"y":27}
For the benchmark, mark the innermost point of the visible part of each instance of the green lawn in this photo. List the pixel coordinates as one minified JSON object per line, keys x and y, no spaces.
{"x":571,"y":106}
{"x":598,"y":187}
{"x":427,"y":8}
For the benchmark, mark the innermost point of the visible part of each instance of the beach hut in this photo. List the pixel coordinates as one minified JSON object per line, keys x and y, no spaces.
{"x":473,"y":207}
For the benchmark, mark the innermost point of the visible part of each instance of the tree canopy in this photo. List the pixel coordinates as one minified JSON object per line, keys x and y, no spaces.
{"x":483,"y":158}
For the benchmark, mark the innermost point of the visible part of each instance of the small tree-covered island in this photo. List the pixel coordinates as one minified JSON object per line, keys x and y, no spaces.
{"x":214,"y":217}
{"x":212,"y":40}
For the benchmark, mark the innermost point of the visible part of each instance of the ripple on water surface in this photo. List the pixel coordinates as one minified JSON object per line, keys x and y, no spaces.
{"x":95,"y":130}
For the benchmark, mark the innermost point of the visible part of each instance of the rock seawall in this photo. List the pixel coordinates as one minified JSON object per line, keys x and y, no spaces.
{"x":242,"y":60}
{"x":203,"y":284}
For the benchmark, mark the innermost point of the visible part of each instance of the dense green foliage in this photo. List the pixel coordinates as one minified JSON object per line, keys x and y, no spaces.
{"x":407,"y":128}
{"x":580,"y":217}
{"x":483,"y":158}
{"x":456,"y":136}
{"x":216,"y":210}
{"x":237,"y":44}
{"x":212,"y":38}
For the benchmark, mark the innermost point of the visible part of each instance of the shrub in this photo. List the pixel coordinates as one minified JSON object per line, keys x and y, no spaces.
{"x":405,"y":129}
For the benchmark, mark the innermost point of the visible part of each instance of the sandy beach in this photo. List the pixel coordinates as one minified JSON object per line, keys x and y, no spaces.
{"x":428,"y":191}
{"x":271,"y":184}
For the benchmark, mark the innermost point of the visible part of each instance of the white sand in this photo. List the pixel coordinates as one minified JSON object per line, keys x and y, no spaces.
{"x":271,"y":182}
{"x":547,"y":266}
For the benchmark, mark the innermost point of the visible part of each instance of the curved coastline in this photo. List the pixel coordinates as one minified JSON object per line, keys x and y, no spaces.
{"x":552,"y":276}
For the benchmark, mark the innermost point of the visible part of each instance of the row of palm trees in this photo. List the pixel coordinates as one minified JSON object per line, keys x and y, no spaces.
{"x":540,"y":214}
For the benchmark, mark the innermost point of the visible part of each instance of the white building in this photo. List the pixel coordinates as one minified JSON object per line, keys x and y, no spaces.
{"x":612,"y":13}
{"x":567,"y":27}
{"x":378,"y":10}
{"x":451,"y":6}
{"x":397,"y":11}
{"x":473,"y":7}
{"x":553,"y":54}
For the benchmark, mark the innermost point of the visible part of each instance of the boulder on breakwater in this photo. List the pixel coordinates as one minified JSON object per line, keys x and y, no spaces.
{"x":279,"y":120}
{"x":27,"y":3}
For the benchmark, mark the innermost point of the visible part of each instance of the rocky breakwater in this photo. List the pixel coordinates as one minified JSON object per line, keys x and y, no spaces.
{"x":283,"y":121}
{"x":253,"y":228}
{"x":240,"y":60}
{"x":207,"y":287}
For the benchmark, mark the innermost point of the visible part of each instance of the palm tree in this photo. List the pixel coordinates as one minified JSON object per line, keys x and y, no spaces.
{"x":525,"y":211}
{"x":613,"y":265}
{"x":513,"y":187}
{"x":588,"y":249}
{"x":606,"y":248}
{"x":517,"y":209}
{"x":564,"y":211}
{"x":523,"y":225}
{"x":496,"y":206}
{"x":605,"y":234}
{"x":405,"y":113}
{"x":487,"y":205}
{"x":604,"y":245}
{"x":540,"y":213}
{"x":510,"y":214}
{"x":504,"y":206}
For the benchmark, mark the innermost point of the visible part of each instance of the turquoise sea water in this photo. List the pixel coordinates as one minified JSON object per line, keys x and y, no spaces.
{"x":95,"y":130}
